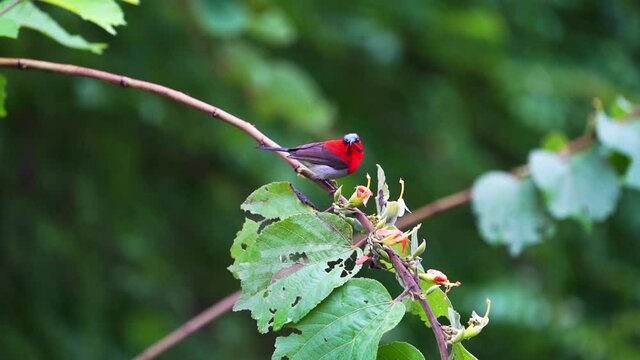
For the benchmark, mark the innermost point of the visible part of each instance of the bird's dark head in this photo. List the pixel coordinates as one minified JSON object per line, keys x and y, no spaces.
{"x":351,"y":139}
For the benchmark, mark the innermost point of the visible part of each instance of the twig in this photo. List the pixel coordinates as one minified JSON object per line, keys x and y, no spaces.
{"x":190,"y":326}
{"x":175,"y":95}
{"x":440,"y":205}
{"x":10,"y":6}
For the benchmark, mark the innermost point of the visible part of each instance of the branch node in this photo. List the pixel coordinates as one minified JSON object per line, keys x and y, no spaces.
{"x":21,"y":65}
{"x":124,"y":82}
{"x":216,"y":112}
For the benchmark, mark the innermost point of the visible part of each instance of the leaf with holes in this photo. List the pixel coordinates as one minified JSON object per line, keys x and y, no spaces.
{"x":347,"y":325}
{"x":292,"y":265}
{"x":399,"y":350}
{"x":269,"y":203}
{"x":437,"y":300}
{"x":509,"y":211}
{"x":584,"y":187}
{"x":277,"y":200}
{"x":623,"y":137}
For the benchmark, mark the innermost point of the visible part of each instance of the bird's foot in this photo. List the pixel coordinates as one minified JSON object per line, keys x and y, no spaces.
{"x":331,"y":184}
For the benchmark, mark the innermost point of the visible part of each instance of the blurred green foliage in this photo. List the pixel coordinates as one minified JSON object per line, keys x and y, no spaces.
{"x":118,"y":207}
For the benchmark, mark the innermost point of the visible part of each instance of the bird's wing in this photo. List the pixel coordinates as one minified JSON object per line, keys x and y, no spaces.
{"x":317,"y":154}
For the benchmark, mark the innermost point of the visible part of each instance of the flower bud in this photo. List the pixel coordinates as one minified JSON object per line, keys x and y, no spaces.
{"x":360,"y":196}
{"x":362,"y":259}
{"x":420,"y":249}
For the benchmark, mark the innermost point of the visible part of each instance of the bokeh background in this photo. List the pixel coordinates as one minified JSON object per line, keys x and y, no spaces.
{"x":118,"y":207}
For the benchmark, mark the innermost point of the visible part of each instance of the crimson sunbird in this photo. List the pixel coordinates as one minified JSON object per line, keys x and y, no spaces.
{"x":329,"y":159}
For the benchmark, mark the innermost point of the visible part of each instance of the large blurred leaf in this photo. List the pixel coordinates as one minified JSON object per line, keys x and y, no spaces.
{"x":398,"y":350}
{"x":348,"y":325}
{"x":224,"y":18}
{"x":279,"y":90}
{"x":625,"y":138}
{"x":509,"y":211}
{"x":437,"y":300}
{"x":292,"y":266}
{"x":104,"y":13}
{"x":3,"y":96}
{"x":28,"y":15}
{"x":8,"y":28}
{"x":273,"y":26}
{"x":584,"y":187}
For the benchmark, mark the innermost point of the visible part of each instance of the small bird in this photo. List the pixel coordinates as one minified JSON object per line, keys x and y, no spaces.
{"x":329,"y":159}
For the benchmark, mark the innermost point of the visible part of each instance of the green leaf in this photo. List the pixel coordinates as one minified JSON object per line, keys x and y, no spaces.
{"x":275,"y":200}
{"x":584,"y":187}
{"x":133,"y":2}
{"x":399,"y":350}
{"x":555,"y":141}
{"x":288,"y":91}
{"x":623,"y":137}
{"x":458,"y":352}
{"x":222,"y":18}
{"x":8,"y":28}
{"x":437,"y":300}
{"x":509,"y":211}
{"x":620,"y":108}
{"x":3,"y":96}
{"x":347,"y":325}
{"x":279,"y":90}
{"x":245,"y":238}
{"x":28,"y":15}
{"x":273,"y":26}
{"x":104,"y":13}
{"x":292,"y":266}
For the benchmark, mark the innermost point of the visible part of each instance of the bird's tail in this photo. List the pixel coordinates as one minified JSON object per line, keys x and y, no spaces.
{"x":272,"y":148}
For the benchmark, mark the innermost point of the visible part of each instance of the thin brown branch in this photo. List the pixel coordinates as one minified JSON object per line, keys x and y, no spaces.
{"x":440,"y":205}
{"x":175,"y":95}
{"x":10,"y":6}
{"x":190,"y":326}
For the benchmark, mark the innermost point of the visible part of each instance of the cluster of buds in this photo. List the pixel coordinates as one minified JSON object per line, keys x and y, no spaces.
{"x":387,"y":234}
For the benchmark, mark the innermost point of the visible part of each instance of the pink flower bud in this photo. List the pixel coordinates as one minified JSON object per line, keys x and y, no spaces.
{"x":362,"y":259}
{"x":360,"y":196}
{"x":437,"y":276}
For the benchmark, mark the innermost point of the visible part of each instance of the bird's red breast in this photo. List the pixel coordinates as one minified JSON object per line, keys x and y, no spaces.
{"x":351,"y":154}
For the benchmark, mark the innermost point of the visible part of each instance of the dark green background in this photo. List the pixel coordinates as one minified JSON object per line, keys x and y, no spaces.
{"x":118,"y":207}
